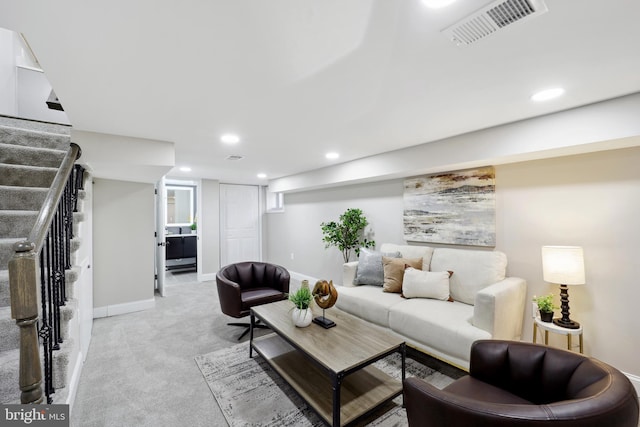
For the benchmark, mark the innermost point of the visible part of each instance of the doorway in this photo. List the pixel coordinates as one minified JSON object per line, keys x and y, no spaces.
{"x":240,"y":224}
{"x":176,"y":233}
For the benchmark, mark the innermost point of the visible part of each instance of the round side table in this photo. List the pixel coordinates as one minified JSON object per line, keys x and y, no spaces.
{"x":551,"y":327}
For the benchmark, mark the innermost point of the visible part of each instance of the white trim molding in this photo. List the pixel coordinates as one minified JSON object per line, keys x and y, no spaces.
{"x":75,"y":381}
{"x":635,"y":380}
{"x":297,"y":279}
{"x":206,"y":277}
{"x":127,"y":307}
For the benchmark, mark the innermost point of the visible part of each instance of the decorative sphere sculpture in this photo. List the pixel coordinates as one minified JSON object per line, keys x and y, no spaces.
{"x":325,"y":294}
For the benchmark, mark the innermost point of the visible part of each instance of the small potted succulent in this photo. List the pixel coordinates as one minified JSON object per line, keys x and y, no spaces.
{"x":301,"y":300}
{"x":545,"y":306}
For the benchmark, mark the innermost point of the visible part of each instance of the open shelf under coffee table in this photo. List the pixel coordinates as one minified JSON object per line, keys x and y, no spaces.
{"x":331,"y":369}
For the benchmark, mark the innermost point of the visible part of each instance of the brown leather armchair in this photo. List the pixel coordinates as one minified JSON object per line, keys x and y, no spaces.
{"x":247,"y":284}
{"x":522,"y":384}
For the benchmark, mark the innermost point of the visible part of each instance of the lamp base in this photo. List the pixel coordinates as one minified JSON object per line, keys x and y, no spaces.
{"x":569,"y":324}
{"x":324,"y":322}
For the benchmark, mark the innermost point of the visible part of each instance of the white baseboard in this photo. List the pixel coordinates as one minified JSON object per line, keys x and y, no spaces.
{"x":75,"y":380}
{"x":297,"y":278}
{"x":127,"y":307}
{"x":206,"y":277}
{"x":635,"y":380}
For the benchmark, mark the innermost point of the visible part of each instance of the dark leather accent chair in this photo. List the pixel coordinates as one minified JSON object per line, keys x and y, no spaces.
{"x":247,"y":284}
{"x":522,"y":384}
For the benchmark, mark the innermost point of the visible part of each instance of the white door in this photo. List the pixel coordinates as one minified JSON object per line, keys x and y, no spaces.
{"x":161,"y":201}
{"x":239,"y":223}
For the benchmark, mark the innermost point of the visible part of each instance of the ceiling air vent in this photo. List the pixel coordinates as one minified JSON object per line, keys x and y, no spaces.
{"x":234,"y":157}
{"x":491,"y":18}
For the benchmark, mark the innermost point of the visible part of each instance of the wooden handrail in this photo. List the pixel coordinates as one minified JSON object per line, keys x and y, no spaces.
{"x":23,"y":276}
{"x":45,"y":216}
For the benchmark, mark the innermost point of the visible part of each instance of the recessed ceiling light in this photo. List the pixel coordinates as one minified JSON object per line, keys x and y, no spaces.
{"x":332,"y":155}
{"x":547,"y":94}
{"x":230,"y":138}
{"x":262,"y":175}
{"x":437,"y":4}
{"x":185,"y":169}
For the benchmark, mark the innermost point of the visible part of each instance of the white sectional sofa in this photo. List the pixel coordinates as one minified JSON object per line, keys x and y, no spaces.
{"x":486,"y":304}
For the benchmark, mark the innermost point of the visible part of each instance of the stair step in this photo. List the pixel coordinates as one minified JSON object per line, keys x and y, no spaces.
{"x":71,"y":277}
{"x":20,"y":198}
{"x":26,"y":176}
{"x":9,"y":376}
{"x":17,"y":223}
{"x":20,"y":155}
{"x":34,"y":125}
{"x":6,"y":251}
{"x":9,"y":331}
{"x":61,"y":360}
{"x":5,"y":297}
{"x":34,"y":138}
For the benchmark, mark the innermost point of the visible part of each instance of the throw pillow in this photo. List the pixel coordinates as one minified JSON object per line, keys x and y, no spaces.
{"x":426,"y":284}
{"x":394,"y":272}
{"x":369,"y":271}
{"x":475,"y":270}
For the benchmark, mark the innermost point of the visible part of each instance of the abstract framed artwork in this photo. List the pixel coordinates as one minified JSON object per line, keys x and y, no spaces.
{"x":457,"y":208}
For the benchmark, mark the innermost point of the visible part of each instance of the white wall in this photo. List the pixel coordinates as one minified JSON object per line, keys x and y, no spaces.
{"x":24,"y":89}
{"x":84,"y":260}
{"x":124,"y":246}
{"x":33,"y":90}
{"x":125,"y":158}
{"x":7,"y":74}
{"x":605,"y":125}
{"x":209,"y":229}
{"x":592,"y":200}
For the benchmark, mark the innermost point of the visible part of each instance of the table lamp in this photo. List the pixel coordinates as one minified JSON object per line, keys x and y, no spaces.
{"x":563,"y":265}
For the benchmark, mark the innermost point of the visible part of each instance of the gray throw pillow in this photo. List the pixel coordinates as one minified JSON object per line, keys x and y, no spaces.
{"x":370,"y":270}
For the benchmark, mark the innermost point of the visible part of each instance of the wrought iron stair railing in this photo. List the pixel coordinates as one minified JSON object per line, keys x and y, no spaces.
{"x":37,"y":280}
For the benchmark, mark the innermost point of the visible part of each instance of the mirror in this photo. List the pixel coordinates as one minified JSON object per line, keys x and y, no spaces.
{"x":179,"y":208}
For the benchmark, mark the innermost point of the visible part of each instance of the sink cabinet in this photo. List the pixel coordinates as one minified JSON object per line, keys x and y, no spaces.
{"x":181,"y":251}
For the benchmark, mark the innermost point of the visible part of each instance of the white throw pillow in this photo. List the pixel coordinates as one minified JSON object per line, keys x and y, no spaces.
{"x":425,"y":284}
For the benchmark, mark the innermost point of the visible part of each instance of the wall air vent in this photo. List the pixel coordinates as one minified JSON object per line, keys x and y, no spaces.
{"x":234,"y":157}
{"x":491,"y":18}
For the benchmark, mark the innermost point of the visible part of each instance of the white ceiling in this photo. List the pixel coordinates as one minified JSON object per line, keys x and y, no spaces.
{"x":297,"y":78}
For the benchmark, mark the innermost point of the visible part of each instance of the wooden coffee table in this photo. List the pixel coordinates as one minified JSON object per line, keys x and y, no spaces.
{"x":330,"y":368}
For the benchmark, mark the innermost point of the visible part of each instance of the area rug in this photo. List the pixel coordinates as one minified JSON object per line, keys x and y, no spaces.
{"x":250,"y":393}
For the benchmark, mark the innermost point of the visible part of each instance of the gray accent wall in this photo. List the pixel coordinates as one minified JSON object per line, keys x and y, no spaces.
{"x":124,"y":242}
{"x":209,"y":229}
{"x":591,"y":200}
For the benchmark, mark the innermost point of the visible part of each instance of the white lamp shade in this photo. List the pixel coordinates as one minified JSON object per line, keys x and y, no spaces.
{"x":563,"y":265}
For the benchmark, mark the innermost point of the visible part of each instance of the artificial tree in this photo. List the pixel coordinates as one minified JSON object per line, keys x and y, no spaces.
{"x":347,"y":234}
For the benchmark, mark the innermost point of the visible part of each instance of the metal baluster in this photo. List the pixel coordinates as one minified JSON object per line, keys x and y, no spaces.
{"x":47,"y":319}
{"x":62,"y":249}
{"x":48,"y":243}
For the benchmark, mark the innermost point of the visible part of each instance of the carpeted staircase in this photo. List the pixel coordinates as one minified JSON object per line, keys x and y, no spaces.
{"x":30,"y":154}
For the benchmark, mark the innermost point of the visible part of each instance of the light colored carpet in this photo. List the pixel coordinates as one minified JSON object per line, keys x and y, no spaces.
{"x":250,"y":393}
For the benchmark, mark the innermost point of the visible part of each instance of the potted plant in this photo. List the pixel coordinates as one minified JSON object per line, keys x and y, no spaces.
{"x":301,"y":300}
{"x":347,"y":234}
{"x":545,"y":306}
{"x":193,"y":228}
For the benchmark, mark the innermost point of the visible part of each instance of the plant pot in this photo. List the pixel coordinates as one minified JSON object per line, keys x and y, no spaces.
{"x":546,"y":316}
{"x":301,"y":317}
